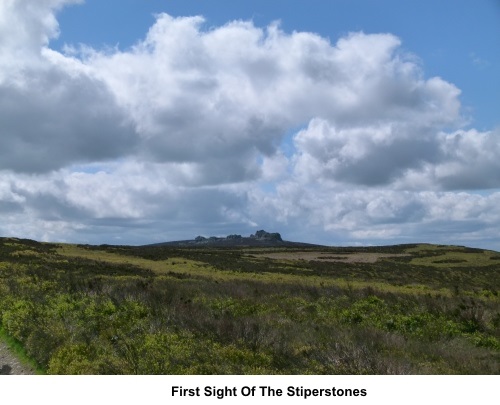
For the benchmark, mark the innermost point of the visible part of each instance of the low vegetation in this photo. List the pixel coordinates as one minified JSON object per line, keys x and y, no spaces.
{"x":408,"y":309}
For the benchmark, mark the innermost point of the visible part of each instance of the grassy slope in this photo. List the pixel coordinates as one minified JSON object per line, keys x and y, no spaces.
{"x":87,"y":309}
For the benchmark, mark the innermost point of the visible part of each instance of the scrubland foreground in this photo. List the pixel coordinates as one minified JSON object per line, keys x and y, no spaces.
{"x":408,"y":309}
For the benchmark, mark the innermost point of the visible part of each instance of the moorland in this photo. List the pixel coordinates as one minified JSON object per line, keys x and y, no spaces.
{"x":282,"y":309}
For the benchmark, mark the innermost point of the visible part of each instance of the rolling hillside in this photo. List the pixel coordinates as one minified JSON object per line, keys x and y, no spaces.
{"x":266,"y":309}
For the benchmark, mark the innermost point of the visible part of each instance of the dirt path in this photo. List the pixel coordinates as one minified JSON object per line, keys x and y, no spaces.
{"x":10,"y":365}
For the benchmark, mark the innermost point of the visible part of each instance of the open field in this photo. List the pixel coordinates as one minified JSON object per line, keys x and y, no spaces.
{"x":327,"y":257}
{"x":407,"y":309}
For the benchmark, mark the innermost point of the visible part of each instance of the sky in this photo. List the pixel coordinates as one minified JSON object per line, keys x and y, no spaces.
{"x":342,"y":122}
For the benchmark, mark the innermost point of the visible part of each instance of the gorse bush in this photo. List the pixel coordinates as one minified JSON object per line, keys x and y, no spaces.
{"x":121,"y":310}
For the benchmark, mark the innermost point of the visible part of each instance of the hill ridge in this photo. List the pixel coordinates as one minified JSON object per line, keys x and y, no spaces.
{"x":260,"y":238}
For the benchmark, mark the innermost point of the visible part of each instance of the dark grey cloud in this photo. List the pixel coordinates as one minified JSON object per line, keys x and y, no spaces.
{"x":53,"y":119}
{"x":471,"y":160}
{"x":385,"y":163}
{"x":405,"y":156}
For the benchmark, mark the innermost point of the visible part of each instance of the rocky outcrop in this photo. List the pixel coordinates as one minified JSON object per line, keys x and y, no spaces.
{"x":267,"y":236}
{"x":260,"y":237}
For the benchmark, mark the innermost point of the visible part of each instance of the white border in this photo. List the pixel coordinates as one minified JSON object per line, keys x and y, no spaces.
{"x":135,"y":390}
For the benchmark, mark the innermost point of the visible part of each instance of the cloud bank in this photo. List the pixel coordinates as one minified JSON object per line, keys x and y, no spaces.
{"x":213,"y":130}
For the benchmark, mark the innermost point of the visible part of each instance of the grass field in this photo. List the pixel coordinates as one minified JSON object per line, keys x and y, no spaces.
{"x":407,"y":309}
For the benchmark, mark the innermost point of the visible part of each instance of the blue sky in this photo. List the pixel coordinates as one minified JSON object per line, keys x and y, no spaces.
{"x":349,"y":122}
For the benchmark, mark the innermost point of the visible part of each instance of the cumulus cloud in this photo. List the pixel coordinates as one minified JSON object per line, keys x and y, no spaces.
{"x":471,"y":160}
{"x":215,"y":100}
{"x":373,"y":155}
{"x":196,"y":127}
{"x":115,"y":200}
{"x":371,"y":216}
{"x":53,"y":119}
{"x":198,"y":95}
{"x":402,"y":155}
{"x":26,"y":27}
{"x":53,"y":112}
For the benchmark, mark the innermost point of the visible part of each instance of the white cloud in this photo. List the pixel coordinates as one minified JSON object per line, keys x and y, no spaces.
{"x":183,"y":134}
{"x":235,"y":90}
{"x":213,"y":99}
{"x":27,"y":26}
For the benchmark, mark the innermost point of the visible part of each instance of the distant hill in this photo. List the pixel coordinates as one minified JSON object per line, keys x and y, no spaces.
{"x":261,"y":238}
